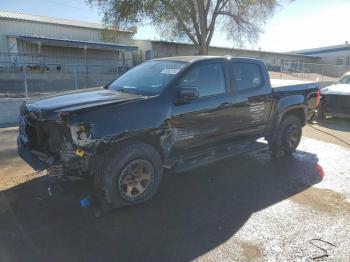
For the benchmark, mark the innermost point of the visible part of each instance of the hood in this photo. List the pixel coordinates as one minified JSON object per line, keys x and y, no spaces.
{"x":79,"y":100}
{"x":339,"y":89}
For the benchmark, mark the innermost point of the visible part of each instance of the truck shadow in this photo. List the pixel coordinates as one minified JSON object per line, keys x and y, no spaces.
{"x":193,"y":213}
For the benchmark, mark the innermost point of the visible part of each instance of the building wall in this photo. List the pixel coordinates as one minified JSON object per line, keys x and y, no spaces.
{"x":332,"y":57}
{"x":164,"y":49}
{"x":335,"y":63}
{"x":19,"y":27}
{"x":67,"y":55}
{"x":340,"y":60}
{"x":55,"y":54}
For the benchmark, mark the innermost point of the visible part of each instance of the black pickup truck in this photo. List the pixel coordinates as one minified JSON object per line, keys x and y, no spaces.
{"x":177,"y":112}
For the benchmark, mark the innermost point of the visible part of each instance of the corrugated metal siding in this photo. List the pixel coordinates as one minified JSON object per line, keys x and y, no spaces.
{"x":50,"y":20}
{"x":66,"y":55}
{"x":53,"y":54}
{"x":17,"y":27}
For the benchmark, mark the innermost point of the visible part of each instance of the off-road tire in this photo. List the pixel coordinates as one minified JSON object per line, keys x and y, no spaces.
{"x":287,"y":138}
{"x":110,"y":167}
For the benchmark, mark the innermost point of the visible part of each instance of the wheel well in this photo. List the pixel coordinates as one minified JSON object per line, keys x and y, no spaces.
{"x":147,"y":139}
{"x":298,"y":112}
{"x":152,"y":141}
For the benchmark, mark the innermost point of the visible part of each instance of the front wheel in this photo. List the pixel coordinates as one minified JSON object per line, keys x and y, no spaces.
{"x":130,"y":175}
{"x":288,"y":136}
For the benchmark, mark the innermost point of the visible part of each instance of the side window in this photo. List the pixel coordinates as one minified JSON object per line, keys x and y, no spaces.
{"x":209,"y":79}
{"x":246,"y":75}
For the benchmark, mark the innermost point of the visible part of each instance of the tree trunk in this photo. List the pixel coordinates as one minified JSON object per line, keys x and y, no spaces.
{"x":203,"y":49}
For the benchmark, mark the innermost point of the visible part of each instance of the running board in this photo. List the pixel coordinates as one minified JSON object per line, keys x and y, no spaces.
{"x":214,"y":154}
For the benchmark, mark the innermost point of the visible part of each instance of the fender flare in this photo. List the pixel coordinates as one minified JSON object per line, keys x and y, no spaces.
{"x":283,"y":106}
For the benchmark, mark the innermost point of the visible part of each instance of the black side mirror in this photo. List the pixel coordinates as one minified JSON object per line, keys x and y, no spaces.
{"x":186,"y":94}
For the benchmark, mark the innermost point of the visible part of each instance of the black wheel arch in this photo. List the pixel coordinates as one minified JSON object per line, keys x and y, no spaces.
{"x":298,"y":110}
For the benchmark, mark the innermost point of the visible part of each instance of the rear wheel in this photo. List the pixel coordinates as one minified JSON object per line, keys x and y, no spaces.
{"x":288,"y":136}
{"x":130,"y":175}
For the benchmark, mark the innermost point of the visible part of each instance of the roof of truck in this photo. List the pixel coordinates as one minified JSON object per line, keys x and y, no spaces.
{"x":191,"y":59}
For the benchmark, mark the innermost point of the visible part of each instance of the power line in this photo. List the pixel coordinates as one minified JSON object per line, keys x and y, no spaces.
{"x":345,"y":142}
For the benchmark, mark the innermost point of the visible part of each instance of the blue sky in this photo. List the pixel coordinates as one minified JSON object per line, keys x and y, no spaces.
{"x":297,"y":25}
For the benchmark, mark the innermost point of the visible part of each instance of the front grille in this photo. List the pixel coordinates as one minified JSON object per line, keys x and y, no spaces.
{"x":35,"y":133}
{"x":337,"y":102}
{"x":42,"y":136}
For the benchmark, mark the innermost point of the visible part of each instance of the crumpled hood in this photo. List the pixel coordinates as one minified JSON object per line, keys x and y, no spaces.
{"x":79,"y":100}
{"x":339,"y":89}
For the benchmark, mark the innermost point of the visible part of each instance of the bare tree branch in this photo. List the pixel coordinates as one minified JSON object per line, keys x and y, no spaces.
{"x":196,"y":20}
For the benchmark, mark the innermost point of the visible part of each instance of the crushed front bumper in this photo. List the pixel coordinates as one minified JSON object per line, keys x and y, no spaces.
{"x":32,"y":160}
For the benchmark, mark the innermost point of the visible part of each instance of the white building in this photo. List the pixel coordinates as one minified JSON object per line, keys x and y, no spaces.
{"x":335,"y":58}
{"x":334,"y":55}
{"x":154,"y":49}
{"x":30,"y":39}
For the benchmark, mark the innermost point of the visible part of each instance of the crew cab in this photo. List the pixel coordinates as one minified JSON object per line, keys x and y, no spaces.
{"x":177,"y":112}
{"x":335,"y":99}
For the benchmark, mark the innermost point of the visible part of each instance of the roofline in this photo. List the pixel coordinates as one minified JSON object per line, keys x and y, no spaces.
{"x":194,"y":58}
{"x":74,"y":43}
{"x":66,"y":22}
{"x":229,"y":48}
{"x":322,"y":50}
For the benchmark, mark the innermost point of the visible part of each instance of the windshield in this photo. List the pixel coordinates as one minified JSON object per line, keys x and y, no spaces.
{"x":345,"y":80}
{"x":148,"y":78}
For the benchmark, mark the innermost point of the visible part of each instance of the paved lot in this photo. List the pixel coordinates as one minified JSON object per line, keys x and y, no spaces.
{"x":241,"y":209}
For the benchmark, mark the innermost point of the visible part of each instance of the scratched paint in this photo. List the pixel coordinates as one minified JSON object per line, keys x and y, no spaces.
{"x":256,"y":111}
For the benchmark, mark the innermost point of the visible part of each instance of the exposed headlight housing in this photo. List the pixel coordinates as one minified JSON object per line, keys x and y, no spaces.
{"x":81,"y":133}
{"x":324,"y":90}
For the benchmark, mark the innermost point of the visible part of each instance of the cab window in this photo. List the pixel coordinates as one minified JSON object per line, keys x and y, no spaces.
{"x":246,"y":75}
{"x":209,"y":79}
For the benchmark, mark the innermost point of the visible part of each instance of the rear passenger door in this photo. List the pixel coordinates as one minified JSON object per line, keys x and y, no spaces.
{"x":253,"y":97}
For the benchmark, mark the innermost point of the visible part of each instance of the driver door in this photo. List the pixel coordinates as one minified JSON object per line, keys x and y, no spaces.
{"x":200,"y":123}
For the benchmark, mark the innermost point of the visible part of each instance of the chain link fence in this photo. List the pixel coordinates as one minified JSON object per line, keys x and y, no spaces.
{"x":26,"y":76}
{"x":323,"y":73}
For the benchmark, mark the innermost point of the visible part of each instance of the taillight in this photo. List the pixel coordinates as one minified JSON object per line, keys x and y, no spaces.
{"x":318,"y":97}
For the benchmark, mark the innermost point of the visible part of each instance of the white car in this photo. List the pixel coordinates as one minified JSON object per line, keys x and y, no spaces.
{"x":335,"y":99}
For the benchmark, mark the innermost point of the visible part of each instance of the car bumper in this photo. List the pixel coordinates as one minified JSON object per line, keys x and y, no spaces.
{"x":25,"y":153}
{"x":336,"y":105}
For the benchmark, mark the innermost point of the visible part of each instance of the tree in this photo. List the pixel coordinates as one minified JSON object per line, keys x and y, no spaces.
{"x":197,"y":20}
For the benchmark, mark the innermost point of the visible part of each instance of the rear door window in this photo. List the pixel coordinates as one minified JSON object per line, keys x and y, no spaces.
{"x":246,"y":75}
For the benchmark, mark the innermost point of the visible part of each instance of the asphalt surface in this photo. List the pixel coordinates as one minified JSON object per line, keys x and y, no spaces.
{"x":246,"y":208}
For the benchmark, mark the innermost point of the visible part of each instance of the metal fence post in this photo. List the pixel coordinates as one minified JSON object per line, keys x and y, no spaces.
{"x":75,"y":77}
{"x":123,"y":57}
{"x":86,"y":77}
{"x":281,"y":69}
{"x":302,"y":73}
{"x":25,"y":82}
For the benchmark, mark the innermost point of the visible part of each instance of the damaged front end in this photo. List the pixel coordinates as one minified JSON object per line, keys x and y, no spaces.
{"x":53,"y":144}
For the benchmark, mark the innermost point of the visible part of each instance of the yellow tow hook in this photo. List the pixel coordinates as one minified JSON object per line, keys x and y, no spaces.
{"x":80,"y":152}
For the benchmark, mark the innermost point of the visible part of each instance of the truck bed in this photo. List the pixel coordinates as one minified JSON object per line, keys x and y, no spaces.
{"x":292,"y":85}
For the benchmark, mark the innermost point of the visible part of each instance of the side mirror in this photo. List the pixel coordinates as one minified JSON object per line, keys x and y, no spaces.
{"x":186,"y":94}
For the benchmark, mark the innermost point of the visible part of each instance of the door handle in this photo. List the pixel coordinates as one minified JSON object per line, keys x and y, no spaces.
{"x":225,"y":105}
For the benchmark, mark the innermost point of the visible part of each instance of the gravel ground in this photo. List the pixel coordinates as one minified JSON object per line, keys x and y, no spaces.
{"x":242,"y":209}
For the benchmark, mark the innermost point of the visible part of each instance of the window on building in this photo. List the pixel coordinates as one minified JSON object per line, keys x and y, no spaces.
{"x":209,"y":79}
{"x":246,"y":75}
{"x":340,"y":61}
